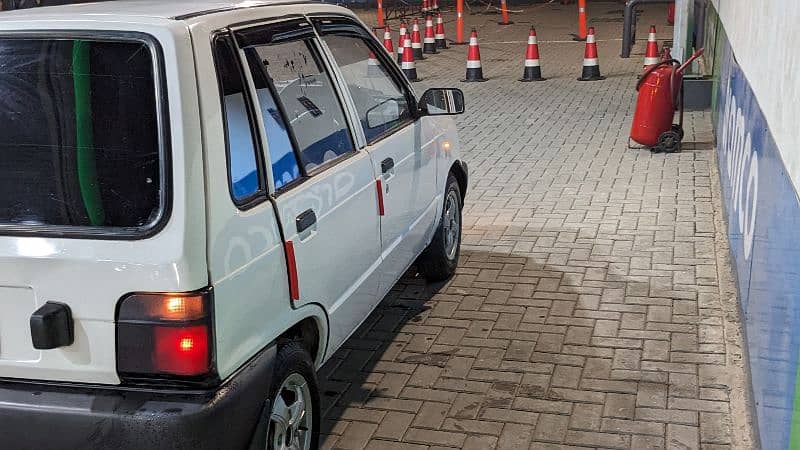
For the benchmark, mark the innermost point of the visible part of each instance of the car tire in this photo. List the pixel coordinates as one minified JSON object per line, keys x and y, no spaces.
{"x":294,"y":379}
{"x":439,"y":260}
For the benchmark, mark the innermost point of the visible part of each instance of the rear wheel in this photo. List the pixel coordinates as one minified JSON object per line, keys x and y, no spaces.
{"x":294,"y":419}
{"x":668,"y":142}
{"x":439,"y":260}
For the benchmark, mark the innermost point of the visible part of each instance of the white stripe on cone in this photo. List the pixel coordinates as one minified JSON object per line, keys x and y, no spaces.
{"x":429,"y":40}
{"x":651,"y":36}
{"x":590,"y":61}
{"x":416,"y":45}
{"x":473,"y":41}
{"x":473,"y":64}
{"x":407,"y":65}
{"x":531,"y":63}
{"x":651,"y":60}
{"x":590,"y":39}
{"x":532,"y":40}
{"x":439,"y":37}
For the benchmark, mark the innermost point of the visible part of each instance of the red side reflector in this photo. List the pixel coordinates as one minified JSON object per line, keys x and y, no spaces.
{"x":379,"y":185}
{"x":181,"y":350}
{"x":294,"y":287}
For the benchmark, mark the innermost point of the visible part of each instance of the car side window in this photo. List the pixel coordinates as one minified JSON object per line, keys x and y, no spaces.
{"x":285,"y":168}
{"x":380,"y":101}
{"x":307,"y":98}
{"x":242,"y":160}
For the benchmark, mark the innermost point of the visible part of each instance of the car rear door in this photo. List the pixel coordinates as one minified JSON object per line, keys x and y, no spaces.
{"x":322,"y":186}
{"x":405,"y":169}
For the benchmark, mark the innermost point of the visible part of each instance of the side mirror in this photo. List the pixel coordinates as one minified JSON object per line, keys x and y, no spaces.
{"x":383,"y":113}
{"x":442,"y":102}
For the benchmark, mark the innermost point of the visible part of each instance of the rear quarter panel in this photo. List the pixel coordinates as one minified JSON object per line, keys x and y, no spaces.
{"x":92,"y":275}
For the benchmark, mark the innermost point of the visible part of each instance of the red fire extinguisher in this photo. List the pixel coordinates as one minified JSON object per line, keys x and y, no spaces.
{"x":660,"y":94}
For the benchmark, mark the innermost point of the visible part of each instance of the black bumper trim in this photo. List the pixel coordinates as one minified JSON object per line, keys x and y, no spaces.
{"x":72,"y":417}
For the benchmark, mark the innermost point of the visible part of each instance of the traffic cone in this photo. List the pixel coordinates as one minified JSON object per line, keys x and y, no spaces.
{"x":434,"y":6}
{"x":416,"y":40}
{"x":591,"y":64}
{"x":408,"y":66}
{"x":441,"y":41}
{"x":425,"y":8}
{"x":387,"y":40}
{"x":373,"y":66}
{"x":429,"y":43}
{"x":533,"y":70}
{"x":380,"y":14}
{"x":504,"y":11}
{"x":651,"y":54}
{"x":401,"y":42}
{"x":474,"y":70}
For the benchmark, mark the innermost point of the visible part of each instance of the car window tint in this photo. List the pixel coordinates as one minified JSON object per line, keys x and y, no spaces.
{"x":80,"y":141}
{"x":380,"y":102}
{"x":308,"y":98}
{"x":242,"y":162}
{"x":285,"y":168}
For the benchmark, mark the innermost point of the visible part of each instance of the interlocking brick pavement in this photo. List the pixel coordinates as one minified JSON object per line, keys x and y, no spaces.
{"x":586,"y":310}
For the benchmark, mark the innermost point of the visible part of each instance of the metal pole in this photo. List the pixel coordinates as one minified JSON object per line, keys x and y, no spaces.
{"x":628,"y":31}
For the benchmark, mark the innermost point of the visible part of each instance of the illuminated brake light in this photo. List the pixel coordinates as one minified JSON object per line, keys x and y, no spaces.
{"x":181,"y":351}
{"x":169,"y":334}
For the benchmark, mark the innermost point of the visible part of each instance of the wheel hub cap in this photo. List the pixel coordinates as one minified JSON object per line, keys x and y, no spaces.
{"x":291,"y":420}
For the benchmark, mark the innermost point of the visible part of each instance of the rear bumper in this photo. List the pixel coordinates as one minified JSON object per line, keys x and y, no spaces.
{"x":36,"y":416}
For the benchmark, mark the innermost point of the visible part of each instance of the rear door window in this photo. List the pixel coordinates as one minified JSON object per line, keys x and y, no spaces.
{"x":307,"y":97}
{"x":80,"y":144}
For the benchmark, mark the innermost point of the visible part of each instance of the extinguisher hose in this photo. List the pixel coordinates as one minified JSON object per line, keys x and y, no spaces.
{"x":652,"y":69}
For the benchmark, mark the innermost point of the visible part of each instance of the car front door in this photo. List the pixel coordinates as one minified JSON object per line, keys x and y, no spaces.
{"x":405,"y":168}
{"x":322,"y":186}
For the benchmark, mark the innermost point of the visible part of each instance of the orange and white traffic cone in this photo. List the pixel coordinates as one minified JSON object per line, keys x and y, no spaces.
{"x":591,"y":63}
{"x":387,"y":40}
{"x":425,"y":8}
{"x":441,"y":41}
{"x":651,"y":54}
{"x":504,"y":12}
{"x":533,"y":69}
{"x":373,"y":66}
{"x":381,"y":17}
{"x":429,"y":42}
{"x":416,"y":40}
{"x":408,"y":66}
{"x":459,"y":23}
{"x":401,"y":42}
{"x":474,"y":70}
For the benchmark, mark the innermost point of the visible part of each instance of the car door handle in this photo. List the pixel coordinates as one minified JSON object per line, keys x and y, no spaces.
{"x":387,"y":165}
{"x":305,"y":220}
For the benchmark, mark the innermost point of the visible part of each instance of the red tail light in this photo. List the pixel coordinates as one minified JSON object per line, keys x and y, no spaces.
{"x":165,"y":335}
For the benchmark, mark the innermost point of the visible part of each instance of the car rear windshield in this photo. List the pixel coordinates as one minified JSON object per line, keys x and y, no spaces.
{"x":80,"y":142}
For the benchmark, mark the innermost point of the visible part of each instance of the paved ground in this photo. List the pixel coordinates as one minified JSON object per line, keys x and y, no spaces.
{"x":587,"y":310}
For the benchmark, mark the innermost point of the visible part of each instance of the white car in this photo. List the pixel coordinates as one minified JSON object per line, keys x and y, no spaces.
{"x":200,"y":201}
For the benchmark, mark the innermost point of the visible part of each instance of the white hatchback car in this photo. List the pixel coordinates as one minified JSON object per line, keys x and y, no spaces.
{"x":199,"y":202}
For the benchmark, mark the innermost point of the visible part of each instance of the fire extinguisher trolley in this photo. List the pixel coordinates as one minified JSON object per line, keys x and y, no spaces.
{"x":660,"y":94}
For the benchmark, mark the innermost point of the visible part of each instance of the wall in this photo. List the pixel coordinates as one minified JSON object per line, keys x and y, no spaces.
{"x":756,"y":112}
{"x":763,"y":36}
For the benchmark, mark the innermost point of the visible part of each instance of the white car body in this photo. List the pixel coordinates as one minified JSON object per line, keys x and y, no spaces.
{"x":346,"y":262}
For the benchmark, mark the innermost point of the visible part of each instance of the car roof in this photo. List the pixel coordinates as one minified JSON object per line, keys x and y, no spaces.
{"x":161,"y":9}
